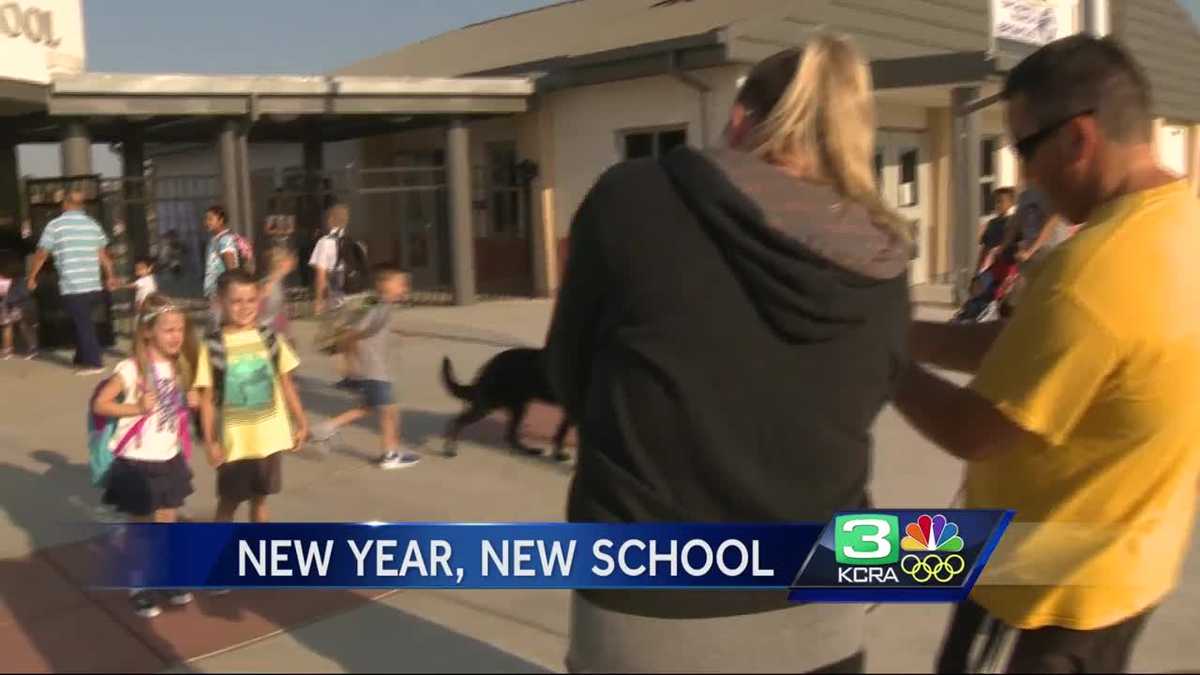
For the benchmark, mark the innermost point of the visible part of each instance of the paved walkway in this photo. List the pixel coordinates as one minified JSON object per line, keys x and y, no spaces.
{"x":49,"y":622}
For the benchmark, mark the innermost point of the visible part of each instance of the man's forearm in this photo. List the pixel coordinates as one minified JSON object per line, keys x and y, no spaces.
{"x":106,"y":264}
{"x":930,"y":404}
{"x":952,"y":346}
{"x":957,"y":419}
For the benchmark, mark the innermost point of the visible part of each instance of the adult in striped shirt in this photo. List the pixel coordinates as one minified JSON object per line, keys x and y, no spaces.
{"x":79,"y":246}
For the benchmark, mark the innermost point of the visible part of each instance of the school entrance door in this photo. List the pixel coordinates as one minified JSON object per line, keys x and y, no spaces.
{"x":902,"y":173}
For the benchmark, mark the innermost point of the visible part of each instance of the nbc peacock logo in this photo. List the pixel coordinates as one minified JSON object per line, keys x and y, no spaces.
{"x":932,"y":546}
{"x":932,"y":533}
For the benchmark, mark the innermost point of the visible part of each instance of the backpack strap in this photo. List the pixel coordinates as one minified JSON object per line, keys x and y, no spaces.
{"x":271,"y":339}
{"x":215,"y":342}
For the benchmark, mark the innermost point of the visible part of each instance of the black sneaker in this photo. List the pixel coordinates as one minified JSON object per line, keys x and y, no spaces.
{"x":144,"y":604}
{"x":179,"y":598}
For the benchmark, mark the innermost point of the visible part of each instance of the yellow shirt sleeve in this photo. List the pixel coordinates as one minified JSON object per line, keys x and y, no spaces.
{"x":288,"y":361}
{"x":1048,"y":364}
{"x":203,"y":370}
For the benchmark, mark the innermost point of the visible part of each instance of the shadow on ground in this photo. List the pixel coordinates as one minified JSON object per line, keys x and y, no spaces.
{"x":423,"y":430}
{"x":374,"y":639}
{"x":48,"y":620}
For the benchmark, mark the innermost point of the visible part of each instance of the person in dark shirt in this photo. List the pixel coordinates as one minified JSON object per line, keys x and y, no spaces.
{"x":996,"y":229}
{"x":728,"y":328}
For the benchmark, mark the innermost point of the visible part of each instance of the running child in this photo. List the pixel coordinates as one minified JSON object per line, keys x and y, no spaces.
{"x":366,"y":345}
{"x":244,"y":375}
{"x":150,"y":394}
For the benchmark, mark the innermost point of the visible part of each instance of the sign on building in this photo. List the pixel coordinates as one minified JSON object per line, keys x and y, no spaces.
{"x":41,"y":38}
{"x":1021,"y":26}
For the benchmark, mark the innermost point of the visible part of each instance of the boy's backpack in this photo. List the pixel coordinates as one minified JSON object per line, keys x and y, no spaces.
{"x":101,"y":429}
{"x":355,"y":265}
{"x":215,"y":342}
{"x":335,"y":323}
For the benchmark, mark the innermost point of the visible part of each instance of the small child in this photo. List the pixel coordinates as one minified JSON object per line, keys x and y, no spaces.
{"x":14,"y":312}
{"x":146,"y":284}
{"x":244,"y":373}
{"x":150,"y":478}
{"x":367,"y":345}
{"x":274,"y":301}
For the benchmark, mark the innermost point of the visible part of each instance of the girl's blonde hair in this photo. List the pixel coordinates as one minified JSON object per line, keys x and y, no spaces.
{"x":153,"y":308}
{"x":816,"y":107}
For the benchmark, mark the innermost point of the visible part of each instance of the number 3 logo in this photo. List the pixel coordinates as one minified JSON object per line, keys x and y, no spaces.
{"x":866,"y":540}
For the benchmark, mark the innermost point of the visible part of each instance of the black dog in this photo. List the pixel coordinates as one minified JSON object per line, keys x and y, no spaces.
{"x":510,"y":380}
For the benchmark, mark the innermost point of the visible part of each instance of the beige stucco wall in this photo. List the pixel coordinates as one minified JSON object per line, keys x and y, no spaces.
{"x":587,"y":122}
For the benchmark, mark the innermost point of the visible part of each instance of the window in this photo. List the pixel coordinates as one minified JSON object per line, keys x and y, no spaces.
{"x":987,"y":175}
{"x":910,"y":192}
{"x":653,"y":143}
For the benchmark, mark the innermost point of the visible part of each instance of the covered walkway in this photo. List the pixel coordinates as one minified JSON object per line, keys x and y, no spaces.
{"x":231,"y":112}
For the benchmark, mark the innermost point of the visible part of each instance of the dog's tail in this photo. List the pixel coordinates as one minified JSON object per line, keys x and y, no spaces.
{"x":460,"y":391}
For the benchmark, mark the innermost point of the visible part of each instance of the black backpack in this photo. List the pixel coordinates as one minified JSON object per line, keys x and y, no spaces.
{"x":215,"y":342}
{"x":355,"y":267}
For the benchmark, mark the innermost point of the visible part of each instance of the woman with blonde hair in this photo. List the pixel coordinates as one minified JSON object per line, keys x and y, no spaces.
{"x":729,"y":326}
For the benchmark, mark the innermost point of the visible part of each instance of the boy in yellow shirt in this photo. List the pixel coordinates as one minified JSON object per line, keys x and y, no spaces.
{"x":1081,"y":416}
{"x":244,"y":374}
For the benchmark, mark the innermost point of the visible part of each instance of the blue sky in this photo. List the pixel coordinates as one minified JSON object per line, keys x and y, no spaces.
{"x":267,"y":36}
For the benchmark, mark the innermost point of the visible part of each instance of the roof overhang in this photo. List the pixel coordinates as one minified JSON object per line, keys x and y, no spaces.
{"x":107,"y":94}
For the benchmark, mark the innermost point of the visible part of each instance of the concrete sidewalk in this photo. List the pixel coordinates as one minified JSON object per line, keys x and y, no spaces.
{"x":46,"y":498}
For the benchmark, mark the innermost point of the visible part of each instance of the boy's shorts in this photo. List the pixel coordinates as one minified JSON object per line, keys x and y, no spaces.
{"x":375,"y":393}
{"x":250,"y":478}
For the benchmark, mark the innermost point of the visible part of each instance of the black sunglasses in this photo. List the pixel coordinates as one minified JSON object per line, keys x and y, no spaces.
{"x":1029,"y":145}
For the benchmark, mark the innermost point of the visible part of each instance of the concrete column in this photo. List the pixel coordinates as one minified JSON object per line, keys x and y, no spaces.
{"x":314,"y":165}
{"x":133,"y":156}
{"x":228,"y":162}
{"x":941,"y":150}
{"x":10,"y":187}
{"x":1096,"y":17}
{"x":76,"y":149}
{"x":965,"y":167}
{"x":462,"y":229}
{"x":247,"y":227}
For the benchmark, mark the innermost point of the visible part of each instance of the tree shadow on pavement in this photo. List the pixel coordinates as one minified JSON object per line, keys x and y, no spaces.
{"x":366,"y":637}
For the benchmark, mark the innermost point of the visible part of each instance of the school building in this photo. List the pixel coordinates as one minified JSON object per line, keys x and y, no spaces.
{"x":618,"y":79}
{"x":465,"y":156}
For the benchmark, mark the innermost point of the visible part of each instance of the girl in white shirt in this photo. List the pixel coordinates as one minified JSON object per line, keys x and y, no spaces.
{"x":150,"y":394}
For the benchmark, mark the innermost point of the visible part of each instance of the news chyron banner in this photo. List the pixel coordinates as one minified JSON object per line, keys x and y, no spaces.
{"x":869,"y":556}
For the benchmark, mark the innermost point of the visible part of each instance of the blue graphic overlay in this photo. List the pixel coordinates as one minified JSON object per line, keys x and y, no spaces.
{"x":875,"y":556}
{"x":443,"y":555}
{"x":900,"y":556}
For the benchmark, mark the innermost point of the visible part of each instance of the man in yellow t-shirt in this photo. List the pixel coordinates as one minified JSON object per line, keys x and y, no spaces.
{"x":1081,"y":416}
{"x":253,"y":391}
